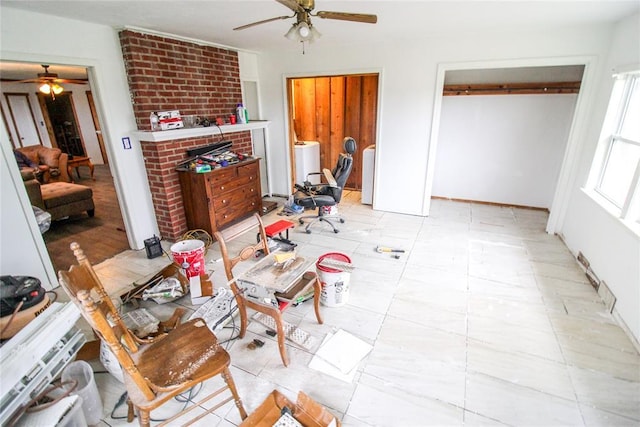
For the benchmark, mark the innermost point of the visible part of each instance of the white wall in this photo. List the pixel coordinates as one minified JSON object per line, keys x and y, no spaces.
{"x":407,"y":95}
{"x":32,"y":37}
{"x":83,"y":112}
{"x":612,"y":248}
{"x":407,"y":98}
{"x":502,"y":148}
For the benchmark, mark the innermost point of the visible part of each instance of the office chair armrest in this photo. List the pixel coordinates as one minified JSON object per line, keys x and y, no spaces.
{"x":329,"y":177}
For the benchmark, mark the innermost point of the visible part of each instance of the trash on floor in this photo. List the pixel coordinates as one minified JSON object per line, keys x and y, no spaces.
{"x":339,"y":355}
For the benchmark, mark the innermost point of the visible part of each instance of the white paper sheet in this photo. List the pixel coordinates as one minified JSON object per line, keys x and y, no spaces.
{"x":343,"y":351}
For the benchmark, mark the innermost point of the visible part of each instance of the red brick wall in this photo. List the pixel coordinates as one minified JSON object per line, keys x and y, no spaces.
{"x":166,"y":74}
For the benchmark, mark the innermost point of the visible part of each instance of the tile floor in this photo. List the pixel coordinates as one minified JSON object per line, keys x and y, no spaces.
{"x":485,"y":320}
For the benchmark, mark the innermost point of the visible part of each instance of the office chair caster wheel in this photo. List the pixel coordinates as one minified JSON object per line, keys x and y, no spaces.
{"x":341,"y":220}
{"x":308,"y":231}
{"x":336,"y":231}
{"x":301,"y":221}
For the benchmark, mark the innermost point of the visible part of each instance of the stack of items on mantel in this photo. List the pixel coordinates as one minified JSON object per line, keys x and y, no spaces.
{"x":172,"y":119}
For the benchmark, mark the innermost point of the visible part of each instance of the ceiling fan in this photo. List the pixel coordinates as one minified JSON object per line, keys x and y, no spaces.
{"x":50,"y":82}
{"x":303,"y":30}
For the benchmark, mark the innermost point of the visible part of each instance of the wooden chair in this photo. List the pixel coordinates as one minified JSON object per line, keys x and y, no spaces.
{"x":157,"y":371}
{"x":87,"y":279}
{"x":224,"y":237}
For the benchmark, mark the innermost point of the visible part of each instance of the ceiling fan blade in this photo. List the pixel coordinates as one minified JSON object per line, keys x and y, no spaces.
{"x":262,"y":22}
{"x":72,"y":81}
{"x":344,"y":16}
{"x":54,"y":80}
{"x":292,"y":4}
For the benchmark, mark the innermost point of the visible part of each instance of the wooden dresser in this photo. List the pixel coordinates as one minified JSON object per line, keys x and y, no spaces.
{"x":213,"y":200}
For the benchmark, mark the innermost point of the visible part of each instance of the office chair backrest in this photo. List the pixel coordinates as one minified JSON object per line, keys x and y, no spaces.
{"x":343,"y":167}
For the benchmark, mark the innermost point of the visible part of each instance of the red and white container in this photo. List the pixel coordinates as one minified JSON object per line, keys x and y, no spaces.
{"x":189,"y":255}
{"x":335,"y":283}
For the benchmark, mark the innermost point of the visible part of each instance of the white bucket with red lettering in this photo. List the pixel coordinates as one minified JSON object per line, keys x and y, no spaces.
{"x":189,"y":254}
{"x":335,"y":283}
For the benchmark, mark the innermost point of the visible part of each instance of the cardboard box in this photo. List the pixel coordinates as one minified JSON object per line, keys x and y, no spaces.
{"x":170,"y":120}
{"x":306,"y":411}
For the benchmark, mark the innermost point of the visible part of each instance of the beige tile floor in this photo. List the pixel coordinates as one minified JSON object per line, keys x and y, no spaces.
{"x":485,"y":320}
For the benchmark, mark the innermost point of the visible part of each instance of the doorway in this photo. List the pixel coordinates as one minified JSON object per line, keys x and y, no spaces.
{"x":61,"y":120}
{"x":326,"y":109}
{"x":576,"y":69}
{"x":70,"y":122}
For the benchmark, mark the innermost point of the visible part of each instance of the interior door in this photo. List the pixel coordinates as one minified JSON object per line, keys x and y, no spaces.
{"x":24,"y":122}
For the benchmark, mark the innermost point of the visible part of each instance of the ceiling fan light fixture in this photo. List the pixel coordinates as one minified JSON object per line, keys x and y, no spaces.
{"x":57,"y":89}
{"x":304,"y":32}
{"x":45,"y":88}
{"x":292,"y":34}
{"x":315,"y":34}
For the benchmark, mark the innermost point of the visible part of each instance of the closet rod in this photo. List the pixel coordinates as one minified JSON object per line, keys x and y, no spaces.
{"x":511,"y":88}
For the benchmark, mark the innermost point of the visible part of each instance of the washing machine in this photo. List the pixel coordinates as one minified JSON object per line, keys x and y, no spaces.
{"x":368,"y":163}
{"x":307,"y":158}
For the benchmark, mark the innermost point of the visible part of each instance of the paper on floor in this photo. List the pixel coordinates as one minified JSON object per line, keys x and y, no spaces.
{"x":339,"y":355}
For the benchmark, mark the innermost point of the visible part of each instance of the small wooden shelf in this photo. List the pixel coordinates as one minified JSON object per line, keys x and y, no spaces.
{"x":169,"y":135}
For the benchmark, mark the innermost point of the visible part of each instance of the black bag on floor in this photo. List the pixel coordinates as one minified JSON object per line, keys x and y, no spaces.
{"x":16,"y":289}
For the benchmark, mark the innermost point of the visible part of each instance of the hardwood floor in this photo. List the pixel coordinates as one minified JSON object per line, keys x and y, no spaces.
{"x":102,"y":236}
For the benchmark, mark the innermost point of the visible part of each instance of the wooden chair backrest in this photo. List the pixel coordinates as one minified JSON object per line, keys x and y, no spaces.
{"x":82,"y":277}
{"x":234,"y":231}
{"x":109,"y":334}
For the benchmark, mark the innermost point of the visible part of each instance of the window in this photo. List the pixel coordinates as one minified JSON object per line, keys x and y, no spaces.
{"x":616,"y":171}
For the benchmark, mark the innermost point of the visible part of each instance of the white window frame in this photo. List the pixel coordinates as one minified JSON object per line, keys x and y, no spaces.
{"x":629,"y":211}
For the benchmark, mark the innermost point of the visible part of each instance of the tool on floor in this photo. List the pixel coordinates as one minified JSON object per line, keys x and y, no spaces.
{"x":381,"y":249}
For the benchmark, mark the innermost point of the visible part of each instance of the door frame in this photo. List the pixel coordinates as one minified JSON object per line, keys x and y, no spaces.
{"x":288,"y":106}
{"x":97,"y":127}
{"x":49,"y":125}
{"x":568,"y":170}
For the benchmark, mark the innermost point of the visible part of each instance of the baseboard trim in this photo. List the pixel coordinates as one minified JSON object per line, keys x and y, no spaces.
{"x":480,"y":202}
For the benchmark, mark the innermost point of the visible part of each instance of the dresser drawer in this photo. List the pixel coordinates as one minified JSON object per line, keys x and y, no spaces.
{"x":223,"y":175}
{"x":241,"y":210}
{"x":250,"y":169}
{"x":229,"y":199}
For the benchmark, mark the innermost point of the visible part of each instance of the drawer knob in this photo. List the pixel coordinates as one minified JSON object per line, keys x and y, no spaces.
{"x":222,"y":187}
{"x":224,"y":202}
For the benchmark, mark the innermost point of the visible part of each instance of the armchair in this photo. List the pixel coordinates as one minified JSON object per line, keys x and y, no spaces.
{"x":327,"y":194}
{"x":51,"y":163}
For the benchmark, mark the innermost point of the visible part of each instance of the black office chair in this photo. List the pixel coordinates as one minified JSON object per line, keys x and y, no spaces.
{"x":329,"y":193}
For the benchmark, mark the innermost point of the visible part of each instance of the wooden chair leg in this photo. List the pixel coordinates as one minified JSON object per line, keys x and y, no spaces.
{"x":144,"y":418}
{"x":317,"y":290}
{"x":130,"y":411}
{"x":242,"y":308}
{"x":281,"y":338}
{"x":226,"y":375}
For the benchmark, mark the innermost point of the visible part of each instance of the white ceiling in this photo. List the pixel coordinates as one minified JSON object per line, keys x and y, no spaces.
{"x":398,"y":21}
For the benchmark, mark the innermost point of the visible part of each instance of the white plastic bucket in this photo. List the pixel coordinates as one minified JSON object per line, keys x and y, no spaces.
{"x":335,"y":283}
{"x":189,"y":254}
{"x":91,"y":403}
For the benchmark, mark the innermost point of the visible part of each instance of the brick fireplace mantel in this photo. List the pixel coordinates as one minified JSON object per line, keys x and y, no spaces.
{"x":199,"y":131}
